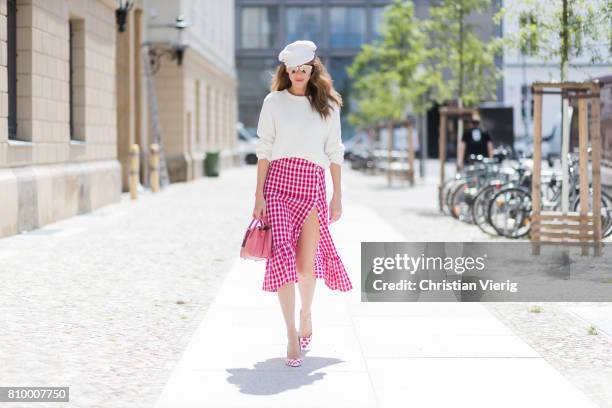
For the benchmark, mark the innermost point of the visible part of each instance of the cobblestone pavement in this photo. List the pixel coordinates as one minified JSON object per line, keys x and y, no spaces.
{"x":106,"y":302}
{"x":563,"y":339}
{"x":557,"y":333}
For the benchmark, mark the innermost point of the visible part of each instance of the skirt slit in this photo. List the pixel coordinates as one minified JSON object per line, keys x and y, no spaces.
{"x":293,"y":187}
{"x":299,"y":231}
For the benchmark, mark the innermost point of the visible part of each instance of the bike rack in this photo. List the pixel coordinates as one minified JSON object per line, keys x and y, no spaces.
{"x":445,"y":112}
{"x":582,"y":227}
{"x":406,"y":173}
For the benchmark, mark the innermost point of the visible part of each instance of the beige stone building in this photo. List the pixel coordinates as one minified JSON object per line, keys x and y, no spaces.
{"x":58,"y":130}
{"x":74,"y":98}
{"x":197,"y":100}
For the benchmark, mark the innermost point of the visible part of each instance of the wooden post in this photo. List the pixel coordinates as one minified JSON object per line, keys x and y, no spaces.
{"x":582,"y":225}
{"x":154,"y":167}
{"x":537,"y":167}
{"x":372,"y":138}
{"x":134,"y":170}
{"x":441,"y":154}
{"x":584,"y":164}
{"x":410,"y":153}
{"x":390,"y":148}
{"x":596,"y":166}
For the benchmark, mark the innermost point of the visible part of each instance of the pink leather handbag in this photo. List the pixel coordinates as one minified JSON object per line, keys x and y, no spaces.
{"x":257,"y":242}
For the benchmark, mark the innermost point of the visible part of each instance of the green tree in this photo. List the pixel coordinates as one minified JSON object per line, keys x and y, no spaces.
{"x":560,"y":30}
{"x":388,"y":79}
{"x":468,"y":61}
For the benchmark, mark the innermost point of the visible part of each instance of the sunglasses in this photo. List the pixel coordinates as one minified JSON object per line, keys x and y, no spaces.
{"x":304,"y":69}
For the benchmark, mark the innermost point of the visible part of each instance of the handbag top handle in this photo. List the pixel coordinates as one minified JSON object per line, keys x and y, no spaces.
{"x":249,"y":229}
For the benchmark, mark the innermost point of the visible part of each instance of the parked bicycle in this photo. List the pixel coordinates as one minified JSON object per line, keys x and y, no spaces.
{"x":509,"y":210}
{"x":495,"y":195}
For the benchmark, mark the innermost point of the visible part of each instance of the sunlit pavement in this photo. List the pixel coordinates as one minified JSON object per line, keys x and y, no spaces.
{"x":362,"y":354}
{"x":147,"y":296}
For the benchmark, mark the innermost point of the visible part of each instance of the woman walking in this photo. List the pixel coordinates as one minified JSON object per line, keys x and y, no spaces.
{"x":299,"y":137}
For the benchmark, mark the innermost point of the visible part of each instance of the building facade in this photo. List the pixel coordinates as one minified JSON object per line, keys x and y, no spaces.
{"x":197,"y":99}
{"x":263,"y":28}
{"x":58,"y":133}
{"x":338,"y":27}
{"x":76,"y":98}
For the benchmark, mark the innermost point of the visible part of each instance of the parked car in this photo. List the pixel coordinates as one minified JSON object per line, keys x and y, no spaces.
{"x":246,"y":143}
{"x":399,"y":154}
{"x":365,"y":153}
{"x":357,"y":150}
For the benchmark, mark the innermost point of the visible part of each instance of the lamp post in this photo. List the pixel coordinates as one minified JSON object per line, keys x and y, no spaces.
{"x":174,"y":51}
{"x":157,"y":50}
{"x":122,"y":12}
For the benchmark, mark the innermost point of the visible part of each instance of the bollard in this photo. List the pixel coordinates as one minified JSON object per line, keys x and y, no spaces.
{"x":154,"y":167}
{"x":134,"y":171}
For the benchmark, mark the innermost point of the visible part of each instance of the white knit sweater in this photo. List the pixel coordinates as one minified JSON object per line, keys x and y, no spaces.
{"x":288,"y":127}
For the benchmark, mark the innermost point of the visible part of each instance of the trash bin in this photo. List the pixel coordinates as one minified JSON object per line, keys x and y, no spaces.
{"x":211,"y":164}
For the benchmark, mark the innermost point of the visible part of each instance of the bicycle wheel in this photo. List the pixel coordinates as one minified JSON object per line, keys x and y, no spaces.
{"x":480,"y":209}
{"x":606,"y":211}
{"x":462,"y":200}
{"x":451,"y":199}
{"x":445,"y":191}
{"x":509,"y":212}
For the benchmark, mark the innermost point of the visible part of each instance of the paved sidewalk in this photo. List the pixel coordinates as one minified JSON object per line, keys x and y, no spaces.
{"x":362,"y":354}
{"x":106,"y":302}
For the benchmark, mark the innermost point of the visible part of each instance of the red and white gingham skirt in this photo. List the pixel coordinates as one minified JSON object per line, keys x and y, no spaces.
{"x":293,"y":186}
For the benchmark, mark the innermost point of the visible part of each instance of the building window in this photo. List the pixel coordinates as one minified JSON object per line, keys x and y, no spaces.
{"x":259,"y":27}
{"x":377,"y":21}
{"x":76,"y":78}
{"x":347,"y":27}
{"x":303,"y":23}
{"x":255,"y":76}
{"x":199,"y":142}
{"x":342,"y":84}
{"x":11,"y":23}
{"x":71,"y":75}
{"x":208,"y":116}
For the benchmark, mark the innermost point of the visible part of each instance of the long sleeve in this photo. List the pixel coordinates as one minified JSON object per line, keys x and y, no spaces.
{"x":334,"y":148}
{"x":266,"y":130}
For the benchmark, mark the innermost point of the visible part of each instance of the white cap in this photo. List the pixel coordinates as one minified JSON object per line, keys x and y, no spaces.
{"x":297,"y":53}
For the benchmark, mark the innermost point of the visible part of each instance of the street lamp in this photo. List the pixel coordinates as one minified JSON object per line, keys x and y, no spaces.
{"x":122,"y":12}
{"x":173,"y":51}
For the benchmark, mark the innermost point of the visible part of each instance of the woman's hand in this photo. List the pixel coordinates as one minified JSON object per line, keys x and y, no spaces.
{"x":335,"y":208}
{"x":260,"y":207}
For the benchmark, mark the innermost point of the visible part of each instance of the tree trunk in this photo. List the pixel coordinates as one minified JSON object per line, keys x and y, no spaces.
{"x":460,"y":96}
{"x":565,"y":187}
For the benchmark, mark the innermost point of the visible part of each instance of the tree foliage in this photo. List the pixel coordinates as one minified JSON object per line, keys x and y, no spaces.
{"x":388,"y":79}
{"x":561,"y":30}
{"x":417,"y":62}
{"x":459,"y":51}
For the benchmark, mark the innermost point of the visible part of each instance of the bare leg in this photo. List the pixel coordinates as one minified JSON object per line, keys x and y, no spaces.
{"x":305,"y":258}
{"x":286,"y":296}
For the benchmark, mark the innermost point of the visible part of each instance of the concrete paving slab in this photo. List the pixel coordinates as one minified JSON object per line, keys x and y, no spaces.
{"x":600,"y":316}
{"x":362,"y":354}
{"x":439,"y":325}
{"x":254,"y":387}
{"x":472,"y":382}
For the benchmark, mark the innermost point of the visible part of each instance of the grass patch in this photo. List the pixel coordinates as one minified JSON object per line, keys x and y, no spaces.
{"x":535,"y":309}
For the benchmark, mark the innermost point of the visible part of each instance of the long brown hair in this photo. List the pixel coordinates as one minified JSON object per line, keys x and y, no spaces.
{"x":319,"y":89}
